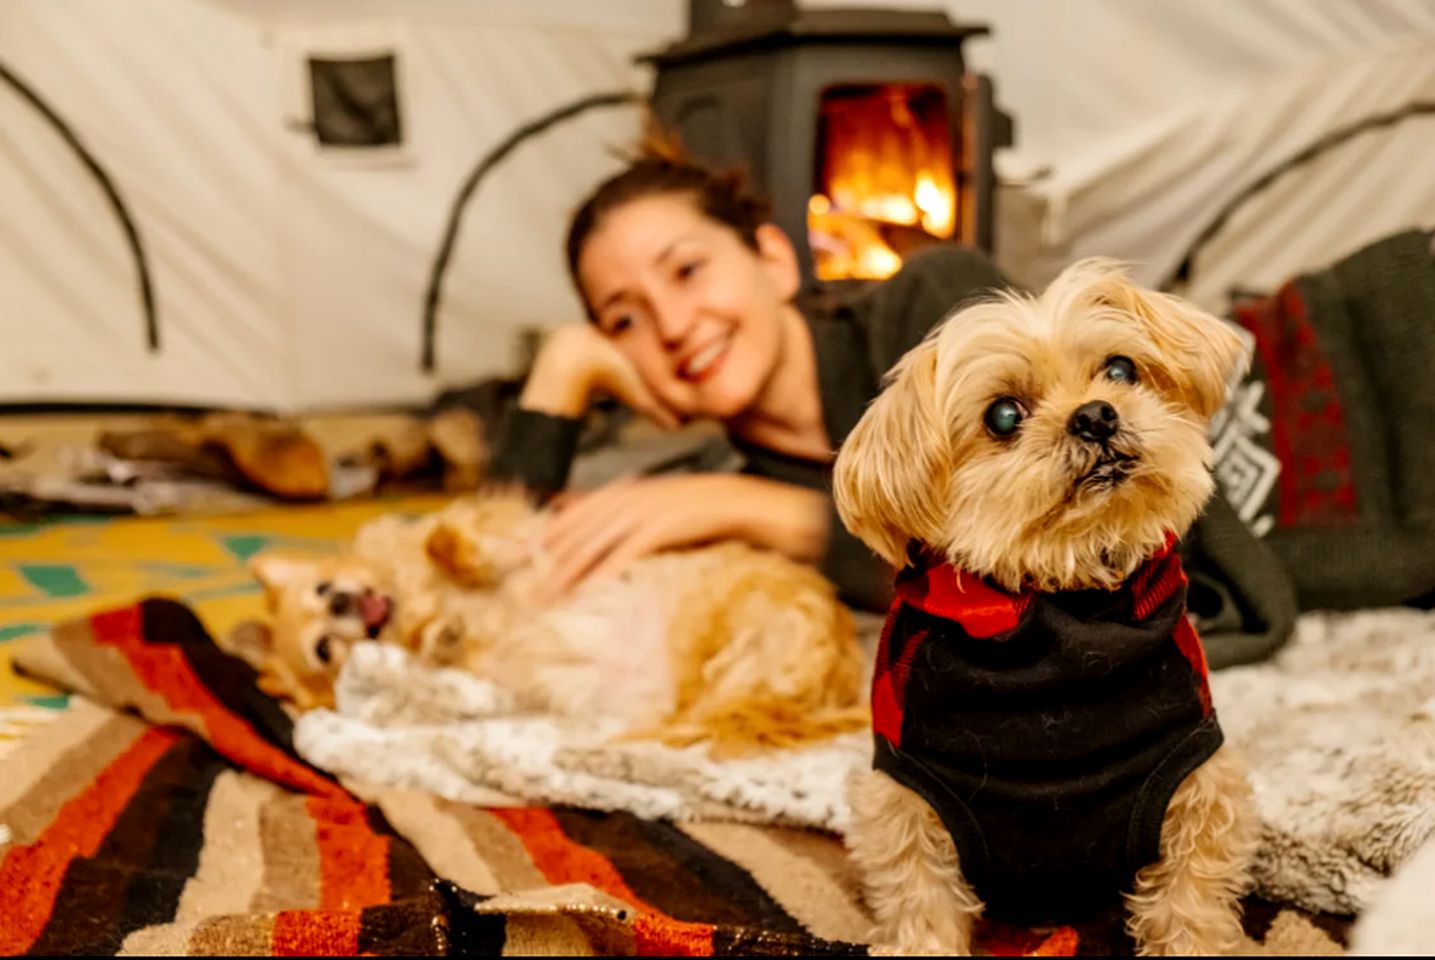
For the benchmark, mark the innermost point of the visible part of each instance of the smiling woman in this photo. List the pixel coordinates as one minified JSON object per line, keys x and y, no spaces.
{"x":694,"y":313}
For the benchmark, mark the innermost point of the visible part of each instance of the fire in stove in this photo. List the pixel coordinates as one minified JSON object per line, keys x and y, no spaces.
{"x":862,"y":125}
{"x":885,"y":181}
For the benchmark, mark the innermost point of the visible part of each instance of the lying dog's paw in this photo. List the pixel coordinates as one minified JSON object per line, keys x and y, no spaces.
{"x":459,"y":558}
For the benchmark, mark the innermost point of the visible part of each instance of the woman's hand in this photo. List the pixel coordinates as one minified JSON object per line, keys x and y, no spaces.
{"x":597,"y":534}
{"x":575,"y":363}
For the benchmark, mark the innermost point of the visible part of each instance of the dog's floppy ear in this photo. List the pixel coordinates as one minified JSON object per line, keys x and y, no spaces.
{"x":1203,"y":353}
{"x":276,"y":571}
{"x":891,"y":475}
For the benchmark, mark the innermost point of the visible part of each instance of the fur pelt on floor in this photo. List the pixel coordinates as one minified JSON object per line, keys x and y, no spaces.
{"x":1339,"y":731}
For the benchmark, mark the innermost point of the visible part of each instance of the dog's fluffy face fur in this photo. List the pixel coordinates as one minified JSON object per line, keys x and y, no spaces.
{"x":321,"y":607}
{"x":1047,"y":442}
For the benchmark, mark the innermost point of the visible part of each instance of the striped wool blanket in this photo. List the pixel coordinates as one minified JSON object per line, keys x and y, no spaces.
{"x":166,"y":812}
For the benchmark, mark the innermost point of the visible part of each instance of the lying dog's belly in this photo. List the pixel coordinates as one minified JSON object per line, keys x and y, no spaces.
{"x":605,"y":652}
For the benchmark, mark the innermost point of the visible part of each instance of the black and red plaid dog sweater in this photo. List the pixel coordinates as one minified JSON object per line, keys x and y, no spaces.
{"x":1048,"y":730}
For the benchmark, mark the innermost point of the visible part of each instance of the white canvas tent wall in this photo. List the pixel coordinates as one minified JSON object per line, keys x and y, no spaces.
{"x":286,"y":276}
{"x":1144,"y":121}
{"x":293,"y":278}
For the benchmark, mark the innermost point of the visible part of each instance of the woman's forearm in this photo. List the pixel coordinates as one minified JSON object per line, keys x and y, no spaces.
{"x":555,"y":386}
{"x":576,"y":362}
{"x":784,"y":517}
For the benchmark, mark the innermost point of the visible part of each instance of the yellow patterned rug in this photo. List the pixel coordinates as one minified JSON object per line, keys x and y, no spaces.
{"x":56,"y":571}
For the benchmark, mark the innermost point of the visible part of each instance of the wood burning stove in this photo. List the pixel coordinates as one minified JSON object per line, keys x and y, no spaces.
{"x":863,"y":126}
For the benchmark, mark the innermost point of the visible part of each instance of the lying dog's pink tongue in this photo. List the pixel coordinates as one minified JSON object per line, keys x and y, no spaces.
{"x":375,"y":611}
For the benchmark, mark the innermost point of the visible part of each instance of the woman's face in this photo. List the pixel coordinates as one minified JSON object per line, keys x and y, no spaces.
{"x":696,"y":310}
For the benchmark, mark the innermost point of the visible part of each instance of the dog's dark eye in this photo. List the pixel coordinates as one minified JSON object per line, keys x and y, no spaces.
{"x":1121,"y":369}
{"x":323,"y":588}
{"x":323,"y":650}
{"x":1004,"y":417}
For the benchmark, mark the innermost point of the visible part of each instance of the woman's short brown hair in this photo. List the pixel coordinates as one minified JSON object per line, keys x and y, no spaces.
{"x":662,"y":168}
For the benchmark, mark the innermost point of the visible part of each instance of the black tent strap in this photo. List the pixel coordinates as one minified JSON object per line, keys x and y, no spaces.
{"x":491,"y":159}
{"x":117,"y":203}
{"x":1333,"y":139}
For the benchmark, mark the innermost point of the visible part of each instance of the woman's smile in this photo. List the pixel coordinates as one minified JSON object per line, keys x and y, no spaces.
{"x":704,"y":363}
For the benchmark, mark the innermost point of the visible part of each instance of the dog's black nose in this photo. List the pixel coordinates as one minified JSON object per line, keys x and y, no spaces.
{"x":1095,"y":421}
{"x":341,"y":604}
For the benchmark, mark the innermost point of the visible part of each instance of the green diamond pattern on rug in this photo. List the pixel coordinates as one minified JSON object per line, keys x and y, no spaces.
{"x":15,"y":630}
{"x":244,"y":547}
{"x":54,"y":579}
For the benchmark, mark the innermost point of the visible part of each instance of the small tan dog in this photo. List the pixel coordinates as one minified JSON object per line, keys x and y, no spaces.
{"x":727,"y":645}
{"x":1044,"y":734}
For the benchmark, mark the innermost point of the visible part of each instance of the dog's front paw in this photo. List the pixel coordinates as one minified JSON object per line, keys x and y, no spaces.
{"x":912,"y":943}
{"x":910,"y":870}
{"x":1194,"y":943}
{"x":886,"y":951}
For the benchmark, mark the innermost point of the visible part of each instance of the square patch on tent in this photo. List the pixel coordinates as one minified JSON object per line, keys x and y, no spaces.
{"x":356,"y":102}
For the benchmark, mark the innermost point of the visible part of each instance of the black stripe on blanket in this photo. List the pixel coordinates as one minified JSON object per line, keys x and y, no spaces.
{"x":415,"y":927}
{"x":471,"y":934}
{"x":153,"y":846}
{"x":675,"y":873}
{"x":409,"y":874}
{"x":232,"y":681}
{"x":740,"y":942}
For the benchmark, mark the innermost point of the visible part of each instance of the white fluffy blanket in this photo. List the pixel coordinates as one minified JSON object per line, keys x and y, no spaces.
{"x":1339,"y":730}
{"x":399,"y":723}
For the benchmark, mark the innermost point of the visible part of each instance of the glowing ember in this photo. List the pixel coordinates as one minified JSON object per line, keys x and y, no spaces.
{"x":886,"y":179}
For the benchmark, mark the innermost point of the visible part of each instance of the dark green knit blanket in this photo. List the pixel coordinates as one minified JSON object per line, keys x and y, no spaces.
{"x":1327,"y":450}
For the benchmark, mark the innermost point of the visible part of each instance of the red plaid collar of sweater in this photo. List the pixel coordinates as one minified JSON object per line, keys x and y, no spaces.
{"x":983,"y":609}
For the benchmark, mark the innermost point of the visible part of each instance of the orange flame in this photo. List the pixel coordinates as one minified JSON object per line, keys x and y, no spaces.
{"x":886,"y":163}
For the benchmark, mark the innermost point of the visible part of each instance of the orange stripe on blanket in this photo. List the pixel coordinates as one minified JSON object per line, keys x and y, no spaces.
{"x":30,"y":876}
{"x":316,"y":933}
{"x":659,"y":935}
{"x":163,"y":669}
{"x":1007,"y":940}
{"x":1063,"y":942}
{"x":562,"y":860}
{"x":353,"y":859}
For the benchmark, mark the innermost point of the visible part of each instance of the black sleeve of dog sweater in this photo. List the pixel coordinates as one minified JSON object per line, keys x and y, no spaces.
{"x":536,"y":450}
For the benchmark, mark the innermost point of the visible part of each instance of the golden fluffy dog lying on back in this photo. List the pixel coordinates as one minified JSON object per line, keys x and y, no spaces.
{"x":727,"y":644}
